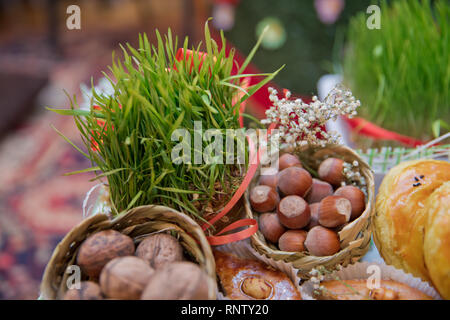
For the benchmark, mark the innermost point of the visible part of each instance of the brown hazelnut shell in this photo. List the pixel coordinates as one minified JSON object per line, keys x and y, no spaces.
{"x":271,"y":227}
{"x":264,"y":198}
{"x":294,"y":181}
{"x":319,"y":190}
{"x":331,"y":171}
{"x":334,"y":211}
{"x":292,"y":241}
{"x":356,"y":198}
{"x":288,"y":160}
{"x":322,"y":241}
{"x":293,"y":212}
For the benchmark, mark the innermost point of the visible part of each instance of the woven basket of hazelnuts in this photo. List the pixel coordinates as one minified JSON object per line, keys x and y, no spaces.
{"x":149,"y":252}
{"x":315,"y":210}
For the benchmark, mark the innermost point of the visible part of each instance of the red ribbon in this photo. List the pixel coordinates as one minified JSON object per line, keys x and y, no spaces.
{"x":369,"y":129}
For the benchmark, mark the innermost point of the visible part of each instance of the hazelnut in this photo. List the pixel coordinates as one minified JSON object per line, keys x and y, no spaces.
{"x":100,"y":248}
{"x":319,"y":190}
{"x":294,"y":181}
{"x":331,"y":171}
{"x":356,"y":198}
{"x":257,"y":288}
{"x":177,"y":281}
{"x":293,"y":212}
{"x":321,"y":241}
{"x":270,"y":227}
{"x":88,"y":290}
{"x":125,"y":278}
{"x":269,"y":178}
{"x":264,"y":198}
{"x":334,"y":211}
{"x":314,"y":210}
{"x":292,"y":241}
{"x":159,"y":249}
{"x":288,"y":160}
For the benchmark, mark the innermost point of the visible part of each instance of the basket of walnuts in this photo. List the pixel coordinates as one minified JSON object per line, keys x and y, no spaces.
{"x":150,"y":252}
{"x":315,"y":207}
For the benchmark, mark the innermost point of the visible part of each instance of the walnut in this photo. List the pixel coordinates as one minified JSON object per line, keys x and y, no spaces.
{"x":159,"y":249}
{"x":125,"y":278}
{"x":177,"y":281}
{"x":88,"y":290}
{"x":98,"y":249}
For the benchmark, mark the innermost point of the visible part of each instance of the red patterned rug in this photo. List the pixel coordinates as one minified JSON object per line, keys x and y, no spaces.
{"x":38,"y":205}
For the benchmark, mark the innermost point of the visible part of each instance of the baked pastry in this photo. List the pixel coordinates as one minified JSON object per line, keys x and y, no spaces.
{"x":403,"y":204}
{"x":437,"y":239}
{"x":358,"y":290}
{"x":244,"y":279}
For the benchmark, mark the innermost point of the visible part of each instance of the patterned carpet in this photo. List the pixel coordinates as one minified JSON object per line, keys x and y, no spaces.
{"x":38,"y":205}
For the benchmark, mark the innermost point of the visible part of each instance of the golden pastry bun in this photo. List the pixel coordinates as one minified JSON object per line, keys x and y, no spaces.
{"x":401,"y":215}
{"x":437,"y":239}
{"x":358,"y":290}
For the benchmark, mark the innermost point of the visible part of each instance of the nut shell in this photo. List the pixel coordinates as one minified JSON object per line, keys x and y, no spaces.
{"x":100,"y":248}
{"x":334,"y":211}
{"x":177,"y":281}
{"x":271,"y":227}
{"x":321,"y":241}
{"x":331,"y":171}
{"x":356,"y":198}
{"x":292,"y":241}
{"x":125,"y":278}
{"x":288,"y":160}
{"x":293,"y":212}
{"x":314,"y":210}
{"x":256,"y":288}
{"x":264,"y":198}
{"x":319,"y":190}
{"x":88,"y":290}
{"x":159,"y":249}
{"x":294,"y":181}
{"x":269,"y":178}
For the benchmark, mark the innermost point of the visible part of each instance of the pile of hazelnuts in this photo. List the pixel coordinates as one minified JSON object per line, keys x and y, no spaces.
{"x":300,"y":213}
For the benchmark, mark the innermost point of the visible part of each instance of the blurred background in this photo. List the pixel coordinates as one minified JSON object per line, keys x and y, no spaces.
{"x":40,"y":58}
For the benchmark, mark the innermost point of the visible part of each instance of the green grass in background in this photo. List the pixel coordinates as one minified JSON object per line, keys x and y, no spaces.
{"x":401,"y":72}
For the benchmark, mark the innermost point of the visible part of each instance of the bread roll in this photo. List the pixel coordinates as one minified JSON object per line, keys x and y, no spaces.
{"x":358,"y":290}
{"x":437,"y":239}
{"x":401,"y":214}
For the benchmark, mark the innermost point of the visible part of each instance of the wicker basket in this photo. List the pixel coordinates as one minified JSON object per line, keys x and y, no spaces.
{"x":137,"y":223}
{"x":355,"y":236}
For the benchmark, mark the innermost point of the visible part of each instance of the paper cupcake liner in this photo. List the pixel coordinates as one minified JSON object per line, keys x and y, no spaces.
{"x":359,"y":271}
{"x":242,"y":249}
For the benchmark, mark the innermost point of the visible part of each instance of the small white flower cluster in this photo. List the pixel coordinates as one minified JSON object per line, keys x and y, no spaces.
{"x":352,"y":173}
{"x":318,"y":275}
{"x":301,"y":123}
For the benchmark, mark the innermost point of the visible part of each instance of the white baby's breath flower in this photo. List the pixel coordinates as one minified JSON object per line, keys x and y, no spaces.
{"x":301,"y":123}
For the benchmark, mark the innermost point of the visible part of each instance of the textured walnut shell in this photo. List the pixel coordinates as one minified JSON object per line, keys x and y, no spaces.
{"x":177,"y":281}
{"x":88,"y":290}
{"x":159,"y":249}
{"x":125,"y":278}
{"x":100,"y":248}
